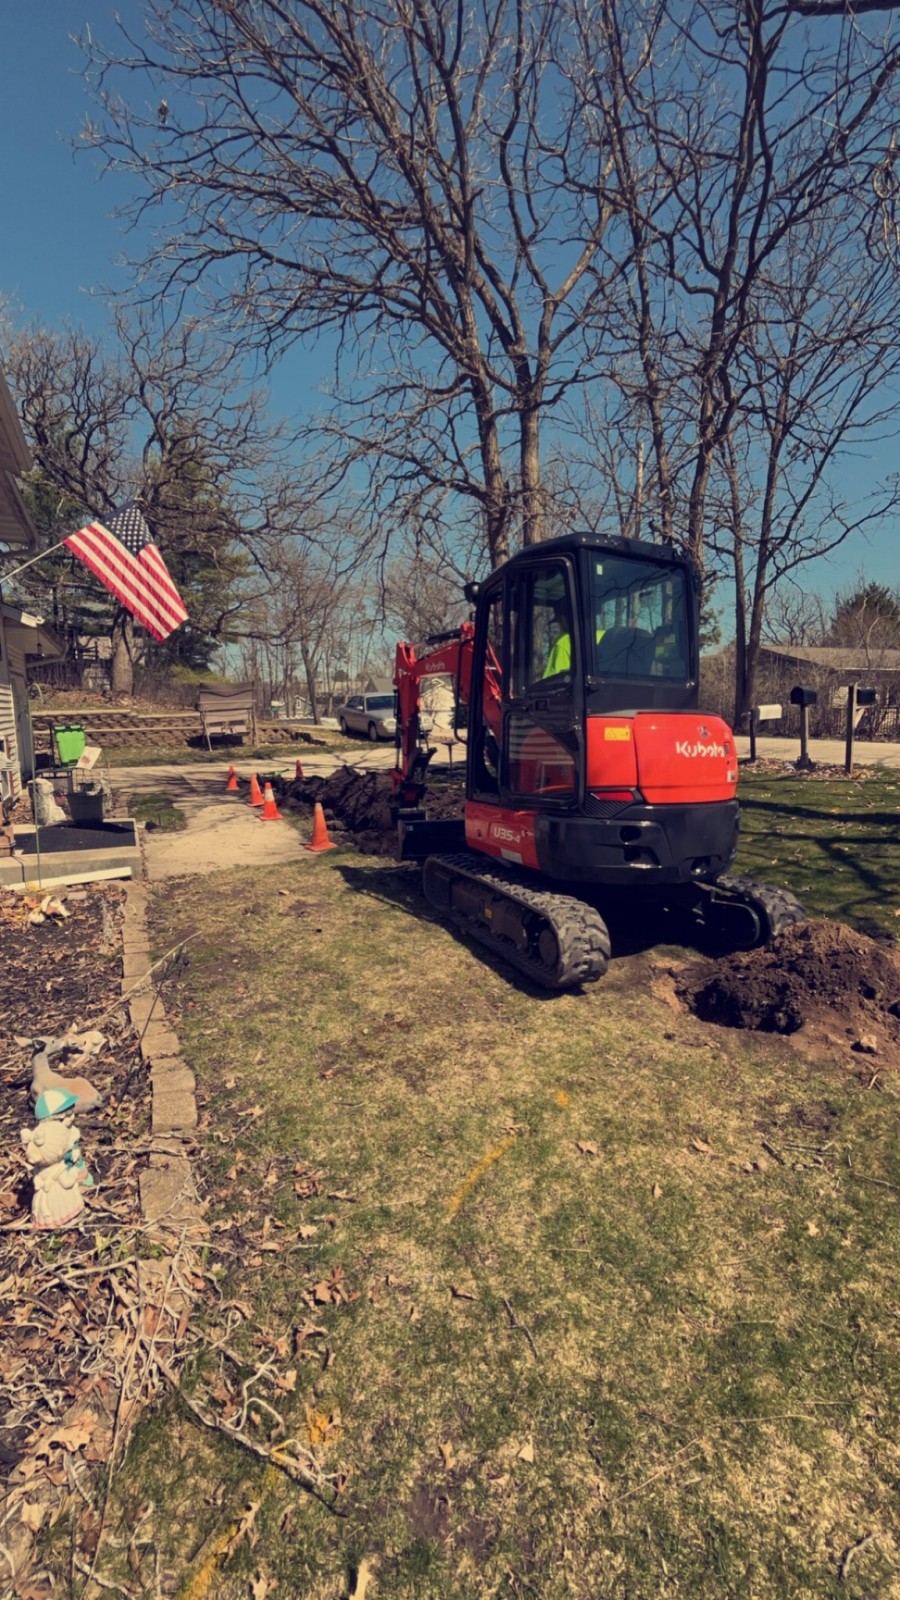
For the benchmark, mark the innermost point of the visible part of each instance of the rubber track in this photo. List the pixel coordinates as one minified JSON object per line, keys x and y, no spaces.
{"x":581,"y":934}
{"x":782,"y":909}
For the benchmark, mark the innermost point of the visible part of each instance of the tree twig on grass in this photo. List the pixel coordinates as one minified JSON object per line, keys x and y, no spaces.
{"x":850,"y":1554}
{"x":519,"y":1326}
{"x":314,"y":1484}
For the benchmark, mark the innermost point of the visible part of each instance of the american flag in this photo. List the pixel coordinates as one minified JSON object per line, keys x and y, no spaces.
{"x":121,"y":553}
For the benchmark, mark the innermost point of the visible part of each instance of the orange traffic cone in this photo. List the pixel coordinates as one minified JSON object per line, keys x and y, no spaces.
{"x":298,"y":770}
{"x":256,"y":794}
{"x":270,"y":811}
{"x":320,"y":839}
{"x":231,"y":785}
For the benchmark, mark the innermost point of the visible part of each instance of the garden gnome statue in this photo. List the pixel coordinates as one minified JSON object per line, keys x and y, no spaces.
{"x":52,"y":1150}
{"x":43,"y":1078}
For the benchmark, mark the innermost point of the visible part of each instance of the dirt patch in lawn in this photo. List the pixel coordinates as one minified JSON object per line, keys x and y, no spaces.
{"x":817,"y":976}
{"x":357,"y":805}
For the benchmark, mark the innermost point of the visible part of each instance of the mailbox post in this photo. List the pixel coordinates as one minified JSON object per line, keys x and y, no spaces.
{"x":855,"y":697}
{"x":804,"y":698}
{"x":768,"y":713}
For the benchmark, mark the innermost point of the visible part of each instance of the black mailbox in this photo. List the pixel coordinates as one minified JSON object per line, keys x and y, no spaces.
{"x":803,"y":697}
{"x":866,"y":697}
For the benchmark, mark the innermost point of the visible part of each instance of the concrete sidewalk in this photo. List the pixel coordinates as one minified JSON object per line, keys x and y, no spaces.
{"x":222,"y":831}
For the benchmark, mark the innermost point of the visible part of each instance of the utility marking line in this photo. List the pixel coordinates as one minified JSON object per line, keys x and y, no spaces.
{"x":478,"y":1171}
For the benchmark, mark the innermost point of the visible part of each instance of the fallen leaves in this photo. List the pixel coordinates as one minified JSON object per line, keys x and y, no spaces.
{"x":701,"y":1146}
{"x":459,"y":1293}
{"x":322,"y":1426}
{"x":71,"y":1437}
{"x":332,"y":1291}
{"x":587,"y":1147}
{"x":245,"y":1530}
{"x":526,"y":1452}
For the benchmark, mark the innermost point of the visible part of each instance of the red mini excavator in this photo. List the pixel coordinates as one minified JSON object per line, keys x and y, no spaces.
{"x":590,"y":773}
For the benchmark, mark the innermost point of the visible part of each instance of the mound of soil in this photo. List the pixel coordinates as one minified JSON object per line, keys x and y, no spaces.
{"x":814,"y":972}
{"x":358,"y":804}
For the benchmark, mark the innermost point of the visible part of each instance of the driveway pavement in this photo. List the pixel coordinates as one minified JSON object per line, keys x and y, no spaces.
{"x":830,"y":752}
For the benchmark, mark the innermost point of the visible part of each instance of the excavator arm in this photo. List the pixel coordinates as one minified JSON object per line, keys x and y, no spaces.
{"x":445,"y":655}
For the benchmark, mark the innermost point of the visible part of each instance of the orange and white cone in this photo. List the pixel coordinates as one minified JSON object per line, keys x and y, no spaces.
{"x":270,"y":811}
{"x":298,"y":770}
{"x":231,"y":785}
{"x":256,"y":794}
{"x":320,"y":839}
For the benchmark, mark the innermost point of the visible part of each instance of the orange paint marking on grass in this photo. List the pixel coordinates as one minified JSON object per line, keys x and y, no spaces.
{"x":477,"y":1172}
{"x":561,"y":1098}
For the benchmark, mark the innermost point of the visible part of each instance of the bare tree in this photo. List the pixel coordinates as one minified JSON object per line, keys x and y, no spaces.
{"x":421,"y":179}
{"x":159,"y":416}
{"x":301,"y":625}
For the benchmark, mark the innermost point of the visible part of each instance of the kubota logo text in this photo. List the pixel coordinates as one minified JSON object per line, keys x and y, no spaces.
{"x":682,"y":748}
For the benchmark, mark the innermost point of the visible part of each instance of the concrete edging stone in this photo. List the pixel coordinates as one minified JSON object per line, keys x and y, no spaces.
{"x":169,"y":1201}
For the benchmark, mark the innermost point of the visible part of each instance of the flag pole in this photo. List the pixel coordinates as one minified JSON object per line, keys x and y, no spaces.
{"x":6,"y":576}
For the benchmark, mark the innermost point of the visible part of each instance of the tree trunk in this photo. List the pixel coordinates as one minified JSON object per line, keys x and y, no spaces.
{"x":122,"y":670}
{"x":532,"y":488}
{"x":309,"y":670}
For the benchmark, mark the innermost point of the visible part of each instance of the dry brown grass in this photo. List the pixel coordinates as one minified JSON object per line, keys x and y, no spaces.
{"x":589,"y":1337}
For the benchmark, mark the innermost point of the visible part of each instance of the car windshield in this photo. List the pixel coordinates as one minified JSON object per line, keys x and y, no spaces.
{"x":380,"y":702}
{"x":640,"y":617}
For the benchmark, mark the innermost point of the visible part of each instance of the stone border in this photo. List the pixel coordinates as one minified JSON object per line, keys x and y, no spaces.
{"x":169,"y":1201}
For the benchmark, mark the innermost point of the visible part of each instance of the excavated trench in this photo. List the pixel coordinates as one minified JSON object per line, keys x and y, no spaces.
{"x":357,"y":805}
{"x":821,"y":977}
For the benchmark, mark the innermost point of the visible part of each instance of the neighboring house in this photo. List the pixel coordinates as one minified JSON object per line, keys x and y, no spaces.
{"x":838,"y":661}
{"x":830,"y":669}
{"x":22,"y":635}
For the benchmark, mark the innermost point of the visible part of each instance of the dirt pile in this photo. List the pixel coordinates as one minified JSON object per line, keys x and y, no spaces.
{"x":358,"y":804}
{"x":819,"y":973}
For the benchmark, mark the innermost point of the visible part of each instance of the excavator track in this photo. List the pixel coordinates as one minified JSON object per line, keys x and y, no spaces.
{"x":756,"y":913}
{"x":555,"y":939}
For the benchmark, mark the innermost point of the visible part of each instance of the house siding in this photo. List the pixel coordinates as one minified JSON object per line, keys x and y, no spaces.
{"x":8,"y":728}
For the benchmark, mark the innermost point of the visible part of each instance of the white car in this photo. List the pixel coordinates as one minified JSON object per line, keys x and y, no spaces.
{"x":371,"y":714}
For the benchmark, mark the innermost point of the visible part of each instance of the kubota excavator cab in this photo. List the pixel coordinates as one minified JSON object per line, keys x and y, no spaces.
{"x":587,"y":757}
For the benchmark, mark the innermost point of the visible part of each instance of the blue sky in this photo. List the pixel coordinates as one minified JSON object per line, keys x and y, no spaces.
{"x":60,"y":241}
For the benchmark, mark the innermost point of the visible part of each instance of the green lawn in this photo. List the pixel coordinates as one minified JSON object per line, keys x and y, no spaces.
{"x":531,"y":1287}
{"x":837,"y":845}
{"x":159,"y":811}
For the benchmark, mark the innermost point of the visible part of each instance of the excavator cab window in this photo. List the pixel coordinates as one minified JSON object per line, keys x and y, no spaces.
{"x":640,"y":611}
{"x":540,"y":739}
